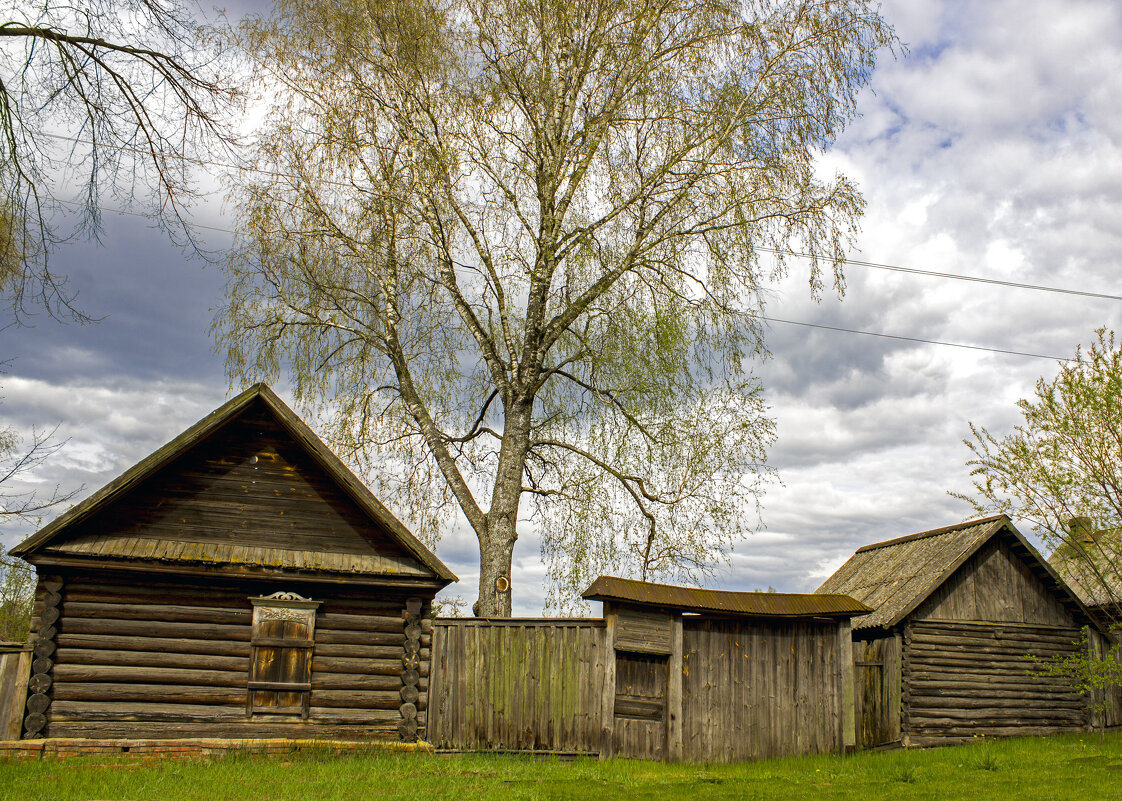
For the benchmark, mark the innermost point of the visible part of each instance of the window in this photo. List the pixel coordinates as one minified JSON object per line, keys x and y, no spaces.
{"x":280,"y":668}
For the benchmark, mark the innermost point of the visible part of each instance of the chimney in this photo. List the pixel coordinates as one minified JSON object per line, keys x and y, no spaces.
{"x":1082,"y":529}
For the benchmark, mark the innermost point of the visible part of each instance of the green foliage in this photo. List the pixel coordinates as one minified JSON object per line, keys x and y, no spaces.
{"x":1064,"y":463}
{"x":509,"y":250}
{"x":1095,"y":672}
{"x":17,"y":597}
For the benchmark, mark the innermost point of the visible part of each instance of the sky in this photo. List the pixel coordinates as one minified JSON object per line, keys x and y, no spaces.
{"x":992,"y":147}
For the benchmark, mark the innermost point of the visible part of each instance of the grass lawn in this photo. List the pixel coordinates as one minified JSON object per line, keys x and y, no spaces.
{"x":1067,"y":767}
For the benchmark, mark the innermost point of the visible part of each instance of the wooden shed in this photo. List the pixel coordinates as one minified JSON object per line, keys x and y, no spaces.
{"x":708,"y":675}
{"x":943,"y":657}
{"x":238,"y":582}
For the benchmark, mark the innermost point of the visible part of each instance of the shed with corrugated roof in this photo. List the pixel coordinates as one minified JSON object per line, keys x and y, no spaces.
{"x":709,"y":675}
{"x":238,"y":582}
{"x":959,"y":614}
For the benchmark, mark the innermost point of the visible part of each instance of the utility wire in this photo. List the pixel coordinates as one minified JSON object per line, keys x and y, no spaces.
{"x":853,"y":262}
{"x":755,"y":316}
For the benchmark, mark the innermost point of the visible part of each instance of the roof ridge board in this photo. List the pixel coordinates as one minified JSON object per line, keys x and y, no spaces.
{"x":935,"y":532}
{"x":166,"y":453}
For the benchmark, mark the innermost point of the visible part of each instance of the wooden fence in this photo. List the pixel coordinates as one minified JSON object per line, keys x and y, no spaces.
{"x":15,"y":667}
{"x":706,"y":689}
{"x":517,"y":685}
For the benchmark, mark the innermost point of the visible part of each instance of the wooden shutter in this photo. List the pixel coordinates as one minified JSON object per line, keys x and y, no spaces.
{"x":280,"y":671}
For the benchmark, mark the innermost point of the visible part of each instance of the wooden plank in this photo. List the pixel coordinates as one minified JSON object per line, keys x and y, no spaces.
{"x":674,"y":694}
{"x":608,"y":686}
{"x":642,"y":630}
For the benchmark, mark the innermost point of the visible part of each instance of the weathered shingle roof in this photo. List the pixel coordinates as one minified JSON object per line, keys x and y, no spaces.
{"x":58,"y":536}
{"x":1093,"y":569}
{"x":746,"y":604}
{"x":896,"y":576}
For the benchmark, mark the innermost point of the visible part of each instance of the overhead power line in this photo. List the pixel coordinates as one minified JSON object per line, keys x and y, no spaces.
{"x":953,"y":276}
{"x":820,"y":326}
{"x":875,"y":265}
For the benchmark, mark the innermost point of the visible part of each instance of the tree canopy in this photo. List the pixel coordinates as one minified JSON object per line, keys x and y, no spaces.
{"x":1061,"y":469}
{"x":511,"y":250}
{"x":112,"y":98}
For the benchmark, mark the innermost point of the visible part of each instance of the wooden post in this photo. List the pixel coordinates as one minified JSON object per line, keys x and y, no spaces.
{"x":15,"y":670}
{"x":674,"y":693}
{"x":848,"y":710}
{"x":608,"y":690}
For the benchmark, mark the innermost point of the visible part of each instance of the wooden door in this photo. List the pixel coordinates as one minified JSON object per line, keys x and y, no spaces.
{"x":280,"y":671}
{"x":639,"y":724}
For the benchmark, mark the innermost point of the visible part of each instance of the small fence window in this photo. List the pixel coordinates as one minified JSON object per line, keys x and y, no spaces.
{"x":280,"y":670}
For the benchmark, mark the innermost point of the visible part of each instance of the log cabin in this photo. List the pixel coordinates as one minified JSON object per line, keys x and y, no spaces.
{"x":945,"y":655}
{"x":238,"y":582}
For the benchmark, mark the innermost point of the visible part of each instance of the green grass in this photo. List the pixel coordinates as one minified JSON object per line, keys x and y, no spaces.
{"x":1064,"y":767}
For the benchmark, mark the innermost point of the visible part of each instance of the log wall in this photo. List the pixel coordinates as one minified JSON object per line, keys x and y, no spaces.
{"x":167,"y":658}
{"x":961,"y":680}
{"x":761,"y":689}
{"x":521,"y":684}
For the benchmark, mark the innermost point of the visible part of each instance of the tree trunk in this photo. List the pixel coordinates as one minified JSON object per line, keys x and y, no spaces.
{"x":500,"y":531}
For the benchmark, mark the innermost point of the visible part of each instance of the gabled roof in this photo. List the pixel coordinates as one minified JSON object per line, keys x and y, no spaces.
{"x":1092,"y":568}
{"x":743,"y":604}
{"x":53,"y":537}
{"x":896,"y":576}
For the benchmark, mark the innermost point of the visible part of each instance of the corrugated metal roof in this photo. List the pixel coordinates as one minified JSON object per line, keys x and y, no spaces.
{"x":748,"y":604}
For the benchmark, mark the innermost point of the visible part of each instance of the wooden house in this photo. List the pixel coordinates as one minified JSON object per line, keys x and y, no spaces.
{"x":238,"y":582}
{"x":944,"y":656}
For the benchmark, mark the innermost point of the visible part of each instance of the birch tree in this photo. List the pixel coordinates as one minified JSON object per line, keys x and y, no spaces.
{"x":99,"y":99}
{"x":511,"y":251}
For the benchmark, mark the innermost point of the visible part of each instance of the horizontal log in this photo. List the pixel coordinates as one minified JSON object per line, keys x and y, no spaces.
{"x":356,"y":699}
{"x":355,"y":681}
{"x":84,"y":656}
{"x":1026,"y":642}
{"x":360,"y":651}
{"x":347,"y":622}
{"x":1015,"y":702}
{"x":929,"y":717}
{"x":966,"y":663}
{"x":325,"y":714}
{"x":959,"y":676}
{"x":150,"y":675}
{"x":341,"y":664}
{"x":918,"y":648}
{"x":155,"y":628}
{"x":921,"y":626}
{"x":187,"y":596}
{"x":154,"y":644}
{"x":72,"y":711}
{"x":302,"y":730}
{"x":148,"y":693}
{"x":337,"y":637}
{"x":953,"y":735}
{"x":951,"y":690}
{"x":161,"y":612}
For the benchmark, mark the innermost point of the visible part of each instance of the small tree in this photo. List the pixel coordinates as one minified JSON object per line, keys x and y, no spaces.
{"x":17,"y":597}
{"x":1095,"y":676}
{"x":1061,"y":470}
